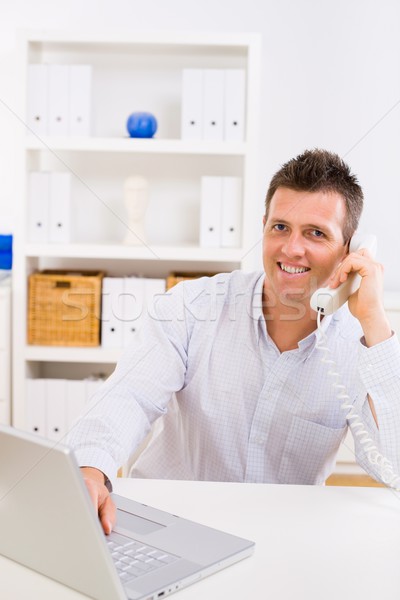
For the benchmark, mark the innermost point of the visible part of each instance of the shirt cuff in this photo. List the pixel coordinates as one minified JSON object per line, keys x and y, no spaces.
{"x":379,"y":362}
{"x":98,"y":459}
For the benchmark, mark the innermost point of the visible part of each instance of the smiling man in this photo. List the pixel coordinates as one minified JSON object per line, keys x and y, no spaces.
{"x":303,"y":244}
{"x":228,"y":366}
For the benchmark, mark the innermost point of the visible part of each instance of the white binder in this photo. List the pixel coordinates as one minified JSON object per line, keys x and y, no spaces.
{"x":58,"y":99}
{"x":60,"y":208}
{"x":133,"y":306}
{"x":37,"y":105}
{"x":38,"y":207}
{"x":36,"y":406}
{"x":80,"y":88}
{"x":112,"y":312}
{"x":231,"y":212}
{"x":56,"y":404}
{"x":210,"y":212}
{"x":192,"y":104}
{"x":76,"y":400}
{"x":213,"y":128}
{"x":234,"y":113}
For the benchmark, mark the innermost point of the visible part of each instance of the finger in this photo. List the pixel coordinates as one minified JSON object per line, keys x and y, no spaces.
{"x":334,"y":278}
{"x":339,"y":276}
{"x":354,"y":262}
{"x":107,"y":514}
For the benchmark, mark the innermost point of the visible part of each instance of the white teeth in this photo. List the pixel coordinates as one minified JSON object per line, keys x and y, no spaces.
{"x":292,"y":270}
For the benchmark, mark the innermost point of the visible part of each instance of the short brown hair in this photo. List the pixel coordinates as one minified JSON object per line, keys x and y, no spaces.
{"x":321,"y":171}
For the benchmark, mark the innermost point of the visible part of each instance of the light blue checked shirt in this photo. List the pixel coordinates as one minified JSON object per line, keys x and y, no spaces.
{"x":222,"y":403}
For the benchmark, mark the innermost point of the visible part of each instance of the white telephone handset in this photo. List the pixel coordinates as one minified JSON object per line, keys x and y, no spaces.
{"x":326,"y":300}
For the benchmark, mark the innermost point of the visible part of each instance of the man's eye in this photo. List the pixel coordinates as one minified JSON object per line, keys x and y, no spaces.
{"x":280,"y":227}
{"x":317,"y":233}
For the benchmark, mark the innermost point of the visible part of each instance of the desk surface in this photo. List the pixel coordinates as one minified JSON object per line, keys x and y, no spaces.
{"x":311,"y":542}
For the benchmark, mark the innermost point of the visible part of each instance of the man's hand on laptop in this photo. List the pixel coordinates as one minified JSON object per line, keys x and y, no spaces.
{"x":100,"y":497}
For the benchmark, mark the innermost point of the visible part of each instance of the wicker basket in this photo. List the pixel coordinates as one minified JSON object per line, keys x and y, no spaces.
{"x":174,"y":278}
{"x":64,"y":308}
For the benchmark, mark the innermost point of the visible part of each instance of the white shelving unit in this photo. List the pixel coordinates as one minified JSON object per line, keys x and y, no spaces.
{"x":142,"y":71}
{"x":144,"y":146}
{"x":187,"y":253}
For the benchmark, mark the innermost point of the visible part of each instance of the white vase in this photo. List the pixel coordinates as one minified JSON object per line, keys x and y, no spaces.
{"x":136,"y":200}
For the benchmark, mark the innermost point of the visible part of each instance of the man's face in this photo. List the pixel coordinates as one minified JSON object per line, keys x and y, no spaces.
{"x":302,"y":242}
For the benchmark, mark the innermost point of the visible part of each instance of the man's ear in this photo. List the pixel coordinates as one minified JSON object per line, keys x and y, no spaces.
{"x":264,"y":221}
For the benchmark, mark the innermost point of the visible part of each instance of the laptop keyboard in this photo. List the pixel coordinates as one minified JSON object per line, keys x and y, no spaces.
{"x":133,"y":559}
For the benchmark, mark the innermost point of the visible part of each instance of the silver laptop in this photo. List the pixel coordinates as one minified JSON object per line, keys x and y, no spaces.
{"x":49,"y":525}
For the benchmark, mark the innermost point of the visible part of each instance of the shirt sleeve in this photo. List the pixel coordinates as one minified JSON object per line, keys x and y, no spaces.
{"x":121,"y":413}
{"x":379,"y":369}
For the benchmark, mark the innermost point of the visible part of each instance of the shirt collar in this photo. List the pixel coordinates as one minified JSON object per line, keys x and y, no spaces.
{"x":255,"y":309}
{"x":259,"y":324}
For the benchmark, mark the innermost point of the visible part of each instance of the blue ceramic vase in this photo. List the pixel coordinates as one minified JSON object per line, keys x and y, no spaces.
{"x":141,"y":125}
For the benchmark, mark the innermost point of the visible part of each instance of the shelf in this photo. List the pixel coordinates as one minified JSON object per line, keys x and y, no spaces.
{"x":138,"y":146}
{"x":159,"y":39}
{"x":75,"y":354}
{"x":121,"y":252}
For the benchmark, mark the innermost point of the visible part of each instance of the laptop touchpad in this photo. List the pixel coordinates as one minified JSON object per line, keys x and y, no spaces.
{"x":133,"y":524}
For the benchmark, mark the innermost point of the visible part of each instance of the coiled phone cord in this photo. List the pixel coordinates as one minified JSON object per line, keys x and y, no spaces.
{"x":387,"y":473}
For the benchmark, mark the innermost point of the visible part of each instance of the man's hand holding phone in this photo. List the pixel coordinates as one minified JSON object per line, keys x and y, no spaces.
{"x":366,"y":303}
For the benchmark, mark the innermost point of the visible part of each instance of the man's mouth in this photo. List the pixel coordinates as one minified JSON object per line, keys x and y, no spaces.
{"x":292,"y":270}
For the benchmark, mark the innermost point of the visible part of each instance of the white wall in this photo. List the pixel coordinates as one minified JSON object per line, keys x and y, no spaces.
{"x":331,"y":78}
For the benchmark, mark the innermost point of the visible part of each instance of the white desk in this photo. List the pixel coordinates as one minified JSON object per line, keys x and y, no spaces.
{"x":312,"y":542}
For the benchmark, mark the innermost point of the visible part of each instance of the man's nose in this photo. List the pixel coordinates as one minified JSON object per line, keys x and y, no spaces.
{"x":294,"y":246}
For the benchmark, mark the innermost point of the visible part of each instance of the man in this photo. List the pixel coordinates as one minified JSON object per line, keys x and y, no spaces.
{"x":254,"y":401}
